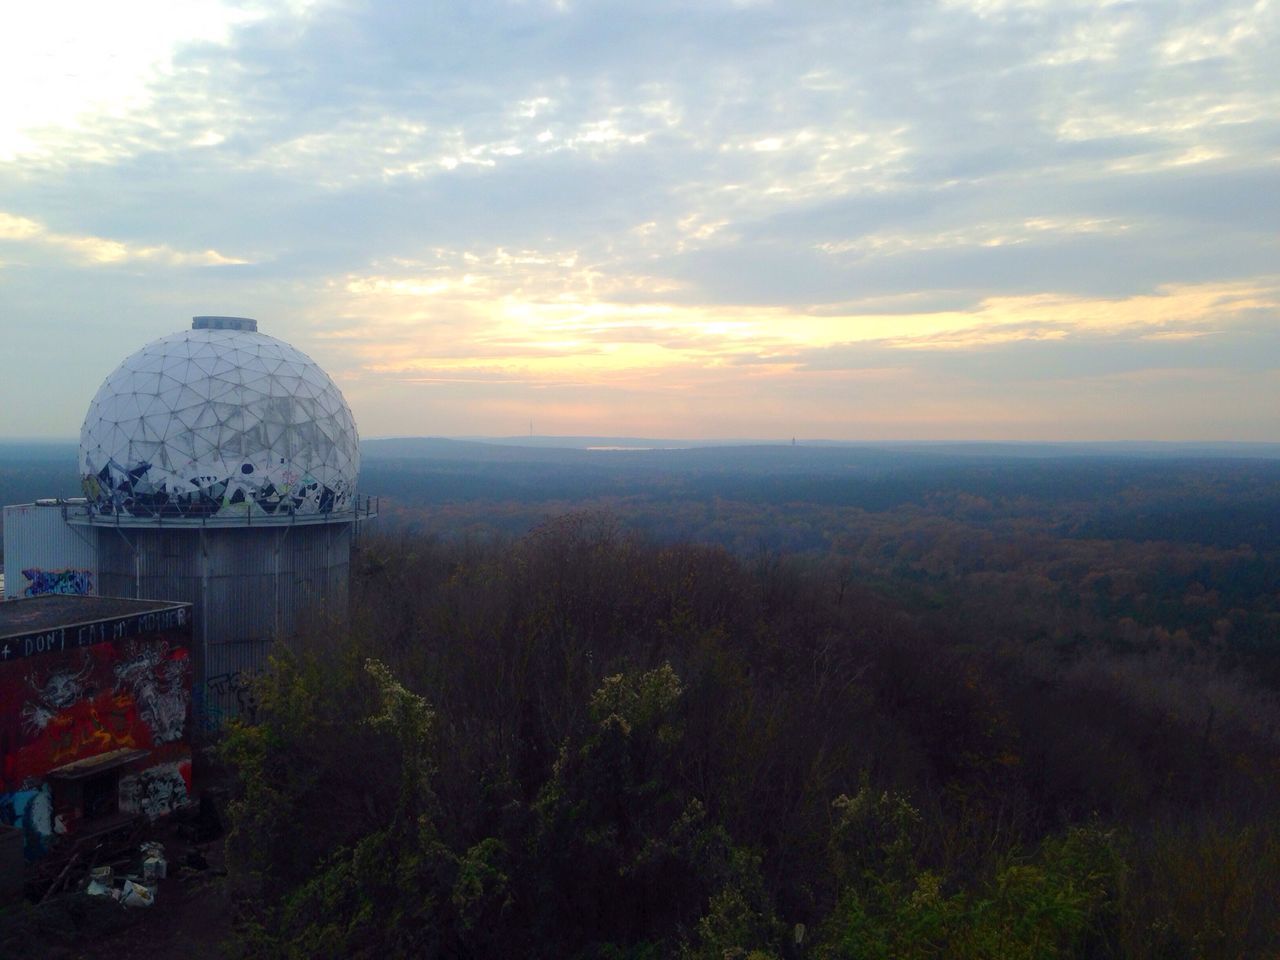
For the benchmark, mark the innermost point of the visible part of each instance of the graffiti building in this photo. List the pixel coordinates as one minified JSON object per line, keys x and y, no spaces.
{"x":219,"y":468}
{"x":95,"y":714}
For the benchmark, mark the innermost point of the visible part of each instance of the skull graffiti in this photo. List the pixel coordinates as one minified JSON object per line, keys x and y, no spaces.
{"x":62,"y":688}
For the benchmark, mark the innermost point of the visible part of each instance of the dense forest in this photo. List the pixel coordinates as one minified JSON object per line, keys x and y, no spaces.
{"x":775,"y":703}
{"x":583,"y":743}
{"x":1136,"y":554}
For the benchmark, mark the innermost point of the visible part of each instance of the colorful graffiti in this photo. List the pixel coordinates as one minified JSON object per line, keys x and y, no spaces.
{"x":67,"y":706}
{"x":145,"y":490}
{"x":79,"y":582}
{"x":76,"y":692}
{"x":237,"y":686}
{"x":31,"y":810}
{"x":160,"y":689}
{"x":158,"y":790}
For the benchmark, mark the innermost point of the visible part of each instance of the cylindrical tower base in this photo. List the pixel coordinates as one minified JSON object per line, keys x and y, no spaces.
{"x":250,"y":586}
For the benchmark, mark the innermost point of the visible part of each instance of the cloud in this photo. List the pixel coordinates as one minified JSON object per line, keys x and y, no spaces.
{"x":99,"y":250}
{"x":652,"y":200}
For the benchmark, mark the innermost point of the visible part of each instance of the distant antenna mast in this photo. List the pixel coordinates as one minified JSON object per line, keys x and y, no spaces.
{"x":531,"y":426}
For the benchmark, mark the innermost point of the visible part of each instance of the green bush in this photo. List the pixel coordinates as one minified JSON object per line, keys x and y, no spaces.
{"x":1042,"y":909}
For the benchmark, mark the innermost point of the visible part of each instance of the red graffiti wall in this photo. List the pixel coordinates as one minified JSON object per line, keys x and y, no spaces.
{"x":64,"y":706}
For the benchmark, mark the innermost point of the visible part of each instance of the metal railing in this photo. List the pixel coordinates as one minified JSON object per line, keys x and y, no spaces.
{"x":88,"y":513}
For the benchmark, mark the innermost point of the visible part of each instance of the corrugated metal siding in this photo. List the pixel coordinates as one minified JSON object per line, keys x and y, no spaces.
{"x":249,"y":586}
{"x":37,"y":537}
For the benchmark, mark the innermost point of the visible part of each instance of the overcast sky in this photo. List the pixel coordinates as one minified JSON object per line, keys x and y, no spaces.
{"x":871,"y":219}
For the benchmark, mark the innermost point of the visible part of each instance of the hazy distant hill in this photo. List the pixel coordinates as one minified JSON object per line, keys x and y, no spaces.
{"x":486,"y":447}
{"x":701,"y":452}
{"x":1211,"y":493}
{"x":1193,"y":493}
{"x":32,"y":469}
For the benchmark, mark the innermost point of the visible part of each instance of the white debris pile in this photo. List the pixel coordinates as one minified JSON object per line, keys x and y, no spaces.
{"x":134,"y":890}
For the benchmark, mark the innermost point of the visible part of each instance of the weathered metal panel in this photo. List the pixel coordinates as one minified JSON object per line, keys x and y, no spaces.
{"x":45,"y":554}
{"x":249,"y":586}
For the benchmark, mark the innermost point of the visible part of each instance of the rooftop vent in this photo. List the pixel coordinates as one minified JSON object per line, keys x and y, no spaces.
{"x":224,"y":323}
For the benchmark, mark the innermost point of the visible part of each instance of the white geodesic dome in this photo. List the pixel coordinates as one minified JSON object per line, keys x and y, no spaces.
{"x":219,"y":421}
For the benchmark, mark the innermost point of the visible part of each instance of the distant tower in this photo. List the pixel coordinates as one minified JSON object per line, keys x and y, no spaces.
{"x":219,"y":468}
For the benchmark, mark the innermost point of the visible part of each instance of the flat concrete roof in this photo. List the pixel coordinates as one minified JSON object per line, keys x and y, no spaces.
{"x":26,"y":615}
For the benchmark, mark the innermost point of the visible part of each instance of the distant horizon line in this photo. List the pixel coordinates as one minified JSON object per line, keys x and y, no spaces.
{"x":756,"y":441}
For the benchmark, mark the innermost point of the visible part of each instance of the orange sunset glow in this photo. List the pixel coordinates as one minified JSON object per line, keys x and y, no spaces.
{"x":968,"y":219}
